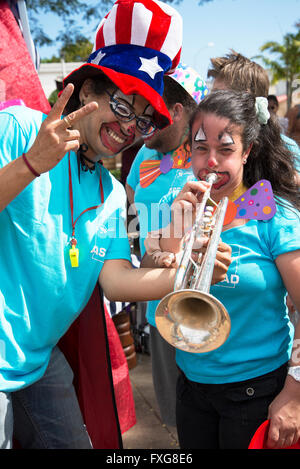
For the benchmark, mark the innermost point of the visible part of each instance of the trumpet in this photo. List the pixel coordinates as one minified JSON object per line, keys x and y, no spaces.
{"x":190,"y":318}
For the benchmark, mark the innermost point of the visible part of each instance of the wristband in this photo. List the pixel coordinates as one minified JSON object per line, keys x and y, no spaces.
{"x":294,"y":371}
{"x":29,"y":166}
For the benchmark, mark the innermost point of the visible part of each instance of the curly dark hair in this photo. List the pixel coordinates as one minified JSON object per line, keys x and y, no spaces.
{"x":269,"y":157}
{"x":99,"y":85}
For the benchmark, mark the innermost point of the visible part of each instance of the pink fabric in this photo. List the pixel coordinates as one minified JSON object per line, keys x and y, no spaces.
{"x":11,"y":102}
{"x":18,"y":77}
{"x":121,"y":380}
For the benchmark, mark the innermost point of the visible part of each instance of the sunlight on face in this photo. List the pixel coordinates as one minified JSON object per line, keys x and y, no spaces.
{"x":217,"y":147}
{"x":108,"y":132}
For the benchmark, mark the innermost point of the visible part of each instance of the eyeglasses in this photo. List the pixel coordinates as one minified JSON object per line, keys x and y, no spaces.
{"x":123,"y":112}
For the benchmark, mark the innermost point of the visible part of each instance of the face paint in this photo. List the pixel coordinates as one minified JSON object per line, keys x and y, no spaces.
{"x":222,"y":152}
{"x":225,"y":139}
{"x":200,"y":136}
{"x":223,"y":177}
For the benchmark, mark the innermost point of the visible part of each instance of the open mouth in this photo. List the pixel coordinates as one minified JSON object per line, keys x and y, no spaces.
{"x":223,"y":177}
{"x":113,"y":139}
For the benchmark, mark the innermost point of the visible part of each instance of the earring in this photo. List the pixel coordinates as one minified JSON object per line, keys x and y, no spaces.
{"x":244,"y":160}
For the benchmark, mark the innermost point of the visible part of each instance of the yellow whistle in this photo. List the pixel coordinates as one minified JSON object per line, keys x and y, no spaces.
{"x":74,"y":256}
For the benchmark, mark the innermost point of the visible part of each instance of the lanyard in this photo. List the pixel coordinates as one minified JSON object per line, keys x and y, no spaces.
{"x":74,"y":251}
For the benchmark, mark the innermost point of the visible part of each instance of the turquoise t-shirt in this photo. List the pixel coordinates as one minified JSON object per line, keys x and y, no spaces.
{"x":40,"y":293}
{"x":151,"y":202}
{"x":254,"y":295}
{"x":294,"y":149}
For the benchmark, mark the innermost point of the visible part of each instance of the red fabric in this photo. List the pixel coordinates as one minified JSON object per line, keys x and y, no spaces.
{"x":259,"y":440}
{"x":123,"y":24}
{"x":86,"y":349}
{"x":18,"y":77}
{"x":121,"y":380}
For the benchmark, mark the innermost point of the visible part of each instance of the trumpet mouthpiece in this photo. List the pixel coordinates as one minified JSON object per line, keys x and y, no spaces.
{"x":211,"y":178}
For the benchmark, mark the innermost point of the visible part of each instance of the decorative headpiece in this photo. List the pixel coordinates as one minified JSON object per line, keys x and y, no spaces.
{"x":257,"y":203}
{"x":136,"y":43}
{"x":261,"y":107}
{"x":191,"y":81}
{"x":196,"y":87}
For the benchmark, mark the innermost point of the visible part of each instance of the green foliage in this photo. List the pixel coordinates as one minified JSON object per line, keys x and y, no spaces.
{"x":53,"y":97}
{"x":77,"y":51}
{"x":66,"y":11}
{"x":116,"y":173}
{"x":286,"y":62}
{"x":90,"y":11}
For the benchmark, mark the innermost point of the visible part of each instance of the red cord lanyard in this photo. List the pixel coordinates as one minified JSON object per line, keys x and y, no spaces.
{"x":74,"y":251}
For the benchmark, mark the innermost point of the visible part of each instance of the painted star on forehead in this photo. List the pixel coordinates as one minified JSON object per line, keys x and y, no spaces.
{"x":150,"y":66}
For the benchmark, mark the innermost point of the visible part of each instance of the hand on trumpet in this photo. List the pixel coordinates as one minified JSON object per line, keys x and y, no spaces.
{"x":184,"y":206}
{"x":222,"y":260}
{"x":166,"y":246}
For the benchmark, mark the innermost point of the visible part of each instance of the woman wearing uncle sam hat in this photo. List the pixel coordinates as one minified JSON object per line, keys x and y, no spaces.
{"x":62,"y":217}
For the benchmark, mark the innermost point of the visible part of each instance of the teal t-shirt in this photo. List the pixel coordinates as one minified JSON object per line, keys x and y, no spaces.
{"x":294,"y":149}
{"x":152,"y":202}
{"x":40,"y":293}
{"x":254,"y":295}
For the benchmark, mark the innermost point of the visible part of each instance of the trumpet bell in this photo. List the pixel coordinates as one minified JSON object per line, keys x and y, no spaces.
{"x":192,"y":321}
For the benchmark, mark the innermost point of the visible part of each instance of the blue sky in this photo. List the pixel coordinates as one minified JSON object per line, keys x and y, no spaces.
{"x":216,"y":27}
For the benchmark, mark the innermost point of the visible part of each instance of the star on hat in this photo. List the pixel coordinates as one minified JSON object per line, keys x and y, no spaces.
{"x":150,"y":66}
{"x":97,"y":59}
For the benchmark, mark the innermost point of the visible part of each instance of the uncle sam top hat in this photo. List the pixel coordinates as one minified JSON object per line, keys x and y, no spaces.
{"x":136,"y":43}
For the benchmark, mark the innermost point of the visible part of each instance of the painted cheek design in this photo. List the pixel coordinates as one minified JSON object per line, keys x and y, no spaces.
{"x":131,"y":130}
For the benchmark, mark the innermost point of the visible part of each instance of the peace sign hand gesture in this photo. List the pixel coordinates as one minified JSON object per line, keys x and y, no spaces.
{"x":56,"y":136}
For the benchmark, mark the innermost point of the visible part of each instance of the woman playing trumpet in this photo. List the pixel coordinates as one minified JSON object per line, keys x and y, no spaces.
{"x":62,"y":227}
{"x":225,"y":394}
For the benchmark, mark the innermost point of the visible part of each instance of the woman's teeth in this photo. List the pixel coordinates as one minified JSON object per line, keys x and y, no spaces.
{"x":115,"y":136}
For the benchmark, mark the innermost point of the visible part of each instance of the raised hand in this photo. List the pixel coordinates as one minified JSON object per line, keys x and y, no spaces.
{"x":56,"y":136}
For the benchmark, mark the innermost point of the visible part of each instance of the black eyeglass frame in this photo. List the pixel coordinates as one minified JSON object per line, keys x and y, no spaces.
{"x":115,"y":102}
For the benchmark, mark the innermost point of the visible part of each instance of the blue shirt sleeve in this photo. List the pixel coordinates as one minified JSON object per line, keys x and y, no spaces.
{"x":283,"y":230}
{"x":119,"y":247}
{"x":19,"y":126}
{"x":294,"y":149}
{"x":133,"y":177}
{"x":114,"y":228}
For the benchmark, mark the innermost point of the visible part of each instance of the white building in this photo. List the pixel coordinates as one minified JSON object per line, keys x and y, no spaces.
{"x":50,"y":72}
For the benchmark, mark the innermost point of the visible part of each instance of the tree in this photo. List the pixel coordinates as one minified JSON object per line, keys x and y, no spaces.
{"x":89,"y":11}
{"x":287,"y":65}
{"x":73,"y":51}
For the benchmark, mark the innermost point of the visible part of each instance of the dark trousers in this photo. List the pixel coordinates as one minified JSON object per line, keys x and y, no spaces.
{"x":224,"y":416}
